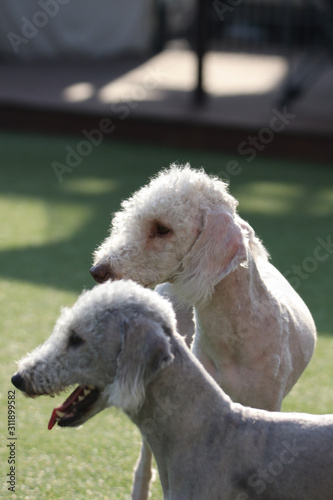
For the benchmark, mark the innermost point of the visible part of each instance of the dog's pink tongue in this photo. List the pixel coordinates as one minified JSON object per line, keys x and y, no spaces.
{"x":55,"y":417}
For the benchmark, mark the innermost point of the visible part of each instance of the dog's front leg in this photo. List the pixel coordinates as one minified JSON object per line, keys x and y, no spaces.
{"x":142,"y":474}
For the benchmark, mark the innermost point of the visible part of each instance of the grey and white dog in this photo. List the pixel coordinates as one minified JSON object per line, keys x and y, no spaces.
{"x":120,"y":345}
{"x":252,"y":332}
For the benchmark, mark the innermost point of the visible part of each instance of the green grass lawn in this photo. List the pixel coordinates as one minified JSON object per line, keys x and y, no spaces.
{"x":48,"y":232}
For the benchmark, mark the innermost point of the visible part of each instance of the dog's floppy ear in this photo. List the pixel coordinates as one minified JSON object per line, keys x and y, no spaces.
{"x":218,"y":250}
{"x":146,"y":350}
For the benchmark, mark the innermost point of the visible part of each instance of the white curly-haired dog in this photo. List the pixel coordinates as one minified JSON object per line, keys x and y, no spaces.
{"x":253,"y":333}
{"x":119,"y":343}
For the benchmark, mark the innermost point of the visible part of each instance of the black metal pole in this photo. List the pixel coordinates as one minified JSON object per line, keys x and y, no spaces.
{"x":201,"y":40}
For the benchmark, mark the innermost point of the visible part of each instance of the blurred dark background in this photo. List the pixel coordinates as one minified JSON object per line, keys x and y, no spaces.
{"x":191,"y":73}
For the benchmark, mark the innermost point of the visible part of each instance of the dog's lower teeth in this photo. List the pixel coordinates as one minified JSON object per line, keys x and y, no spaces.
{"x":80,"y":398}
{"x":60,"y":414}
{"x":86,"y":392}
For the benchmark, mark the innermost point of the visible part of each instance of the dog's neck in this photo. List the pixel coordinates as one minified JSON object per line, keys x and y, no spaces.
{"x":234,"y":296}
{"x":227,"y":327}
{"x":173,"y":411}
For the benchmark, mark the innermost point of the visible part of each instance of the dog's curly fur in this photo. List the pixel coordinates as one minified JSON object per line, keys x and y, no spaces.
{"x":206,"y":447}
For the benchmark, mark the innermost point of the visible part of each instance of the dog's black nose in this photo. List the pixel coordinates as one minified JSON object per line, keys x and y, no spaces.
{"x":101,"y":273}
{"x":18,"y":381}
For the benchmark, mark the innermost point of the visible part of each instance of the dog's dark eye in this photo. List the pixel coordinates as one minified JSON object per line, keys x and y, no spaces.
{"x":161,"y":229}
{"x":75,"y":340}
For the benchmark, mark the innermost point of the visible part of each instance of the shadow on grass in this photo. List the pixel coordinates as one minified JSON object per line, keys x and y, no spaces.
{"x":290,"y":205}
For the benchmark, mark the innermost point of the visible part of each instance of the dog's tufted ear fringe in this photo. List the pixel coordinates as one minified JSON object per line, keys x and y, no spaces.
{"x":257,"y":248}
{"x":146,"y":350}
{"x":219,"y":249}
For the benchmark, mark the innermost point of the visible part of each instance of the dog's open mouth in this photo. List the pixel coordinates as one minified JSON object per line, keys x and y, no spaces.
{"x":71,"y":412}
